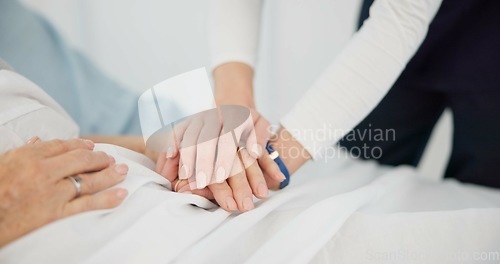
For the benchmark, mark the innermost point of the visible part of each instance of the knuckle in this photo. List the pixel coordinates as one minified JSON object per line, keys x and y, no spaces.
{"x":84,"y":155}
{"x":89,"y":185}
{"x":60,"y":145}
{"x":89,"y":204}
{"x":101,"y":156}
{"x":40,"y":168}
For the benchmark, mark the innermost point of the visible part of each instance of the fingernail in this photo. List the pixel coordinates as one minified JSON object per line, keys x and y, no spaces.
{"x":184,"y":168}
{"x":89,"y":143}
{"x":170,"y":153}
{"x":262,"y":190}
{"x":111,"y":159}
{"x":121,"y":169}
{"x":220,"y":175}
{"x":187,"y":192}
{"x":121,"y":194}
{"x":257,"y":150}
{"x":279,"y":174}
{"x":231,"y":204}
{"x":248,"y":204}
{"x":201,"y":180}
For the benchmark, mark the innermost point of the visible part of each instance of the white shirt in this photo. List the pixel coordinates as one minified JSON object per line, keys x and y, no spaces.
{"x":354,"y":82}
{"x":27,"y":111}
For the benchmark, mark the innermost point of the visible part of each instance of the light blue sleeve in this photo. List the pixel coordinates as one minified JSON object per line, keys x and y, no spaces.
{"x":31,"y":45}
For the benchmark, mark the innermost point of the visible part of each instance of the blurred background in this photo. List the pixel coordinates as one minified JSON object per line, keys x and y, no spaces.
{"x":142,"y":42}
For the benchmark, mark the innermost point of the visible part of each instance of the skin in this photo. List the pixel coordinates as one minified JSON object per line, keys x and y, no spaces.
{"x":134,"y":143}
{"x":34,"y":177}
{"x":234,"y":86}
{"x":236,"y":192}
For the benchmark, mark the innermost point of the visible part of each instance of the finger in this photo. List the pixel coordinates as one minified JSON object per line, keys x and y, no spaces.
{"x":103,"y":200}
{"x":270,"y":168}
{"x":254,"y":149}
{"x":205,"y":152}
{"x":170,"y":169}
{"x":241,"y":191}
{"x":188,"y":149}
{"x":56,"y":147}
{"x":263,"y":133}
{"x":172,"y":147}
{"x":249,"y":137}
{"x":76,"y":162}
{"x":224,"y":196}
{"x":205,"y":192}
{"x":160,"y":162}
{"x":183,"y":187}
{"x":271,"y":183}
{"x":254,"y":175}
{"x":98,"y":181}
{"x":226,"y":155}
{"x":33,"y":140}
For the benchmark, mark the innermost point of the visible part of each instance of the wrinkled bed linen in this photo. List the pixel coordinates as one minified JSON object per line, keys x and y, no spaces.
{"x":346,"y":212}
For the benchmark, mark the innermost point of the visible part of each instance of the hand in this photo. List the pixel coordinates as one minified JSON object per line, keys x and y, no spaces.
{"x":34,"y":189}
{"x":233,"y":86}
{"x":236,"y":192}
{"x":207,"y":143}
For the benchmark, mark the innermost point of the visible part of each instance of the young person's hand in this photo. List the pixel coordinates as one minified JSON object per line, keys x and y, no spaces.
{"x":243,"y":173}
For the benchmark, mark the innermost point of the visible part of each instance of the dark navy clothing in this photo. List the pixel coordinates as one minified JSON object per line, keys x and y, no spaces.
{"x":456,"y":67}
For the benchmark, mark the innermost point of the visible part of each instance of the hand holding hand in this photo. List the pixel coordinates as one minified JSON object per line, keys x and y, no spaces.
{"x":246,"y":176}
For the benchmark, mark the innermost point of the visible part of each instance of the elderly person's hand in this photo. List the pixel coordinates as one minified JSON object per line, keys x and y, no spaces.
{"x":39,"y":184}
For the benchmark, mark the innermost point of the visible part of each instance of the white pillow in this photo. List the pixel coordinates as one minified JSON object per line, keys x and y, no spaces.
{"x":27,"y":111}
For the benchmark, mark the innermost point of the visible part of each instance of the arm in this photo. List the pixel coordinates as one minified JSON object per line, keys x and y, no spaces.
{"x":355,"y":82}
{"x":233,"y":40}
{"x":362,"y":73}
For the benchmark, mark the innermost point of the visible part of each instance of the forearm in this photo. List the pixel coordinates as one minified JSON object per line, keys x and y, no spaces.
{"x":233,"y":40}
{"x":361,"y":74}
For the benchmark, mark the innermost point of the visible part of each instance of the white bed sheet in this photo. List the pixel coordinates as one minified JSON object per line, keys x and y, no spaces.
{"x":345,"y":212}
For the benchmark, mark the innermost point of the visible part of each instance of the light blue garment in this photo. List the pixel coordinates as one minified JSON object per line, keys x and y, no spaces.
{"x":31,"y":45}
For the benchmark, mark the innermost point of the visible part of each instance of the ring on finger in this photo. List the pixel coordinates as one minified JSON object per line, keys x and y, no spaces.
{"x":77,"y":182}
{"x":241,"y":148}
{"x":176,"y":186}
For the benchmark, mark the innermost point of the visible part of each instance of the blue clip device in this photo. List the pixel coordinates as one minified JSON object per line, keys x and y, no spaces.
{"x":275,"y":156}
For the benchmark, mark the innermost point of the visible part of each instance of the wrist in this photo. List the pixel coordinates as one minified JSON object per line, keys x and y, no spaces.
{"x":234,"y":84}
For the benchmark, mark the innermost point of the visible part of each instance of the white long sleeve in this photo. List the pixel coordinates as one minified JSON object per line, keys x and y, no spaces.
{"x":361,"y":75}
{"x":354,"y":83}
{"x":234,"y":31}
